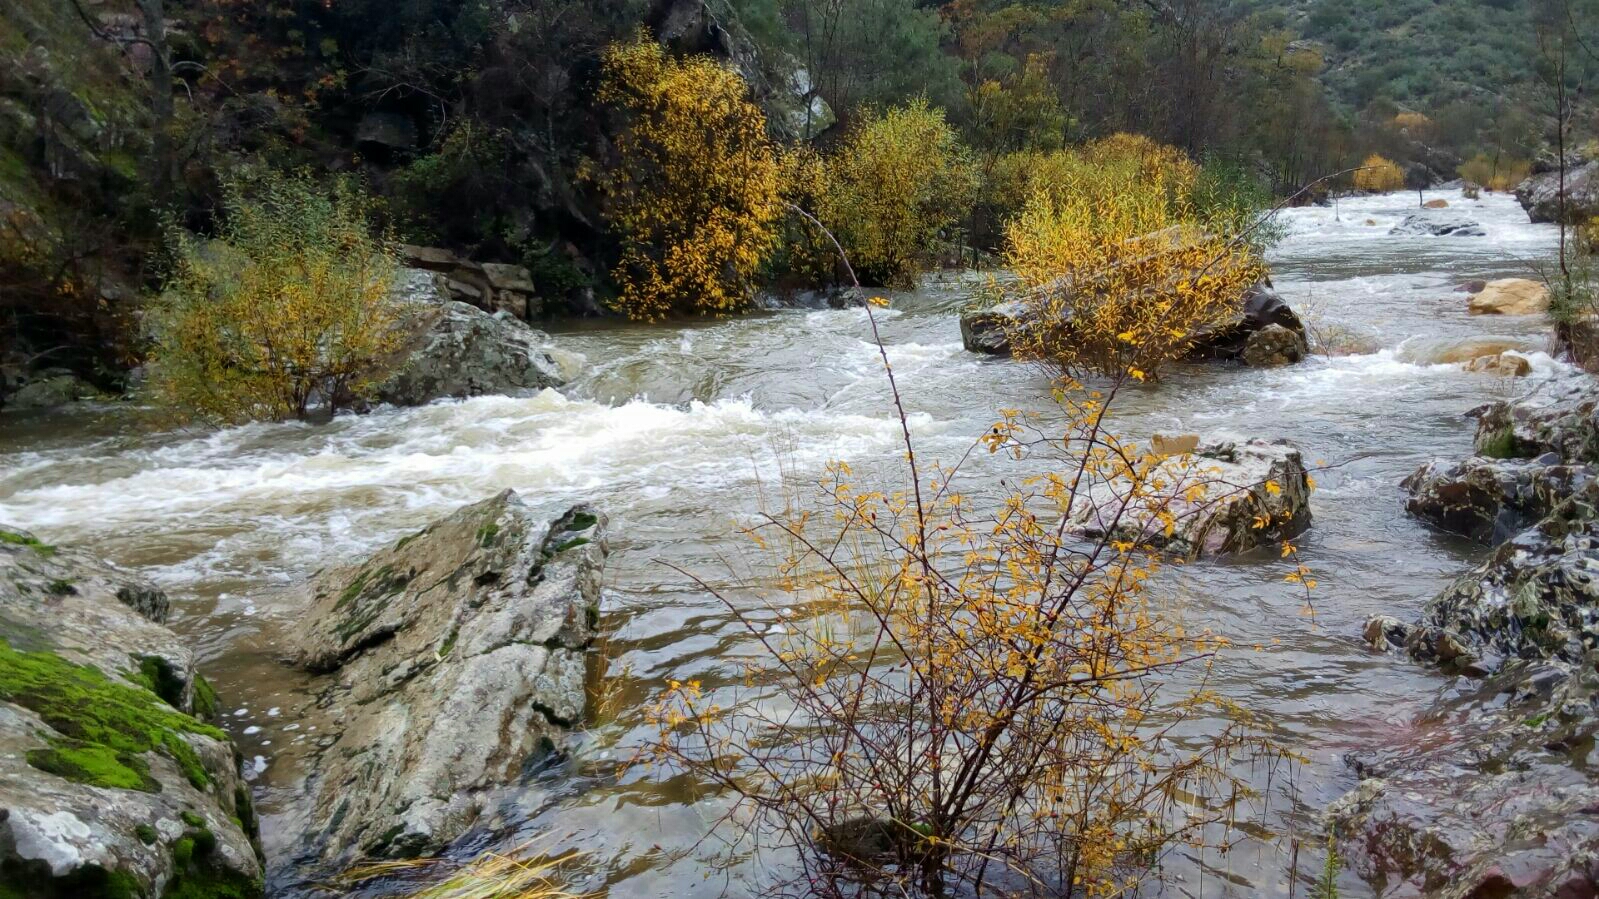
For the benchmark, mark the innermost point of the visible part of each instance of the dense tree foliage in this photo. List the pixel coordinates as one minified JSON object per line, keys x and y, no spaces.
{"x":693,"y":194}
{"x":472,"y":122}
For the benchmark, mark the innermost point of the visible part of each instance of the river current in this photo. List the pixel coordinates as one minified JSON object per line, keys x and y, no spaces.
{"x":680,"y":432}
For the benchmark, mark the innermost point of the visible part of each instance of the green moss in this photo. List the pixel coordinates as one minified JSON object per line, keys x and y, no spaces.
{"x":33,"y":543}
{"x":210,"y":884}
{"x":366,"y":597}
{"x":33,"y":880}
{"x":61,"y":587}
{"x":146,"y":834}
{"x":183,"y":852}
{"x":206,"y":704}
{"x":192,"y":819}
{"x":581,"y":521}
{"x":101,"y":766}
{"x":105,"y":726}
{"x":1500,"y":446}
{"x":573,"y":543}
{"x":244,"y":810}
{"x":449,"y":642}
{"x":487,"y":535}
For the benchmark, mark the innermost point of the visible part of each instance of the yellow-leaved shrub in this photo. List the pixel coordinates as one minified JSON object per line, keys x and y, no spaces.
{"x":1379,"y":173}
{"x":1119,"y":270}
{"x":693,"y":198}
{"x":1495,"y":173}
{"x":288,"y":309}
{"x":900,"y":180}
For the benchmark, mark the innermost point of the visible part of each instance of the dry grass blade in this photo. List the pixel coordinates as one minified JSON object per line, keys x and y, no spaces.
{"x":492,"y":875}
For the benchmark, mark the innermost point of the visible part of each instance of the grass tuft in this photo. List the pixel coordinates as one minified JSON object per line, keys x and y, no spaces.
{"x":492,"y":875}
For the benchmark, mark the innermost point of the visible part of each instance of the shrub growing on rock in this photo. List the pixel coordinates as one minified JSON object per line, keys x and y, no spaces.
{"x":693,"y":197}
{"x":287,"y":309}
{"x":1122,"y":264}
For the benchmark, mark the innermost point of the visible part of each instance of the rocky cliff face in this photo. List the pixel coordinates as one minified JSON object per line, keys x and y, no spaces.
{"x":113,"y":781}
{"x":452,"y":665}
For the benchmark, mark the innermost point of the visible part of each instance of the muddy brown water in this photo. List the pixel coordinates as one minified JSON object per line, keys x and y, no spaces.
{"x":678,"y":430}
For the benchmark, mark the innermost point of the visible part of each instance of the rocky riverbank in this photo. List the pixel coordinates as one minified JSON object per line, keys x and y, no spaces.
{"x":1496,"y":800}
{"x":114,"y":778}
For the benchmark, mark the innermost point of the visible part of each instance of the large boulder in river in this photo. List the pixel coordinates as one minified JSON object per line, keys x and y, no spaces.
{"x":457,"y":350}
{"x":1222,"y":498}
{"x":1486,"y":795}
{"x":1420,"y":224}
{"x":452,"y":663}
{"x":1510,"y":296}
{"x":1262,"y":309}
{"x":113,"y":782}
{"x":1535,"y":597}
{"x":1540,"y":194}
{"x":1565,"y":424}
{"x":1490,"y":500}
{"x":990,"y":331}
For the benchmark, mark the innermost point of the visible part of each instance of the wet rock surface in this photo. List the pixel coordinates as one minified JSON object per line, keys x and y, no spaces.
{"x":1490,"y":500}
{"x":1244,"y":496}
{"x":1438,"y":225}
{"x":1264,"y":321}
{"x":451,"y":668}
{"x":113,"y":781}
{"x":459,"y":350}
{"x":1489,"y":796}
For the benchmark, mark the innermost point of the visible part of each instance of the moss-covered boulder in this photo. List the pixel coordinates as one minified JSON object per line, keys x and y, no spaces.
{"x":451,"y":664}
{"x":113,"y":781}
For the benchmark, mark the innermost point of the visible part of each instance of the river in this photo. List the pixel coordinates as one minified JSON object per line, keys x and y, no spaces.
{"x":679,"y":432}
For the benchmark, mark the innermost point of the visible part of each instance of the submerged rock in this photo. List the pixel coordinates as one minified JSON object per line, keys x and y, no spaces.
{"x":458,"y":350}
{"x":1504,"y":365}
{"x":113,"y":783}
{"x":1244,"y":496}
{"x":1487,"y":796}
{"x":1420,"y":224}
{"x":453,"y":664}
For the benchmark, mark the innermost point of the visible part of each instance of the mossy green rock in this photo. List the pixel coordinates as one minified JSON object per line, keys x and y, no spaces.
{"x":110,"y":786}
{"x":449,"y":662}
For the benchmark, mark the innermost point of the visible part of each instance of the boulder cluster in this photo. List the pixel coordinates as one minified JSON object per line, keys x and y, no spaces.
{"x":1499,"y":803}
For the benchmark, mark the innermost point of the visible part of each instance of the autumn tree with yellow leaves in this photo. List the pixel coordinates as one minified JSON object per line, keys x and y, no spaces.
{"x":285,"y":312}
{"x":1378,"y":173}
{"x":693,"y":197}
{"x":974,"y":697}
{"x":1119,"y":266}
